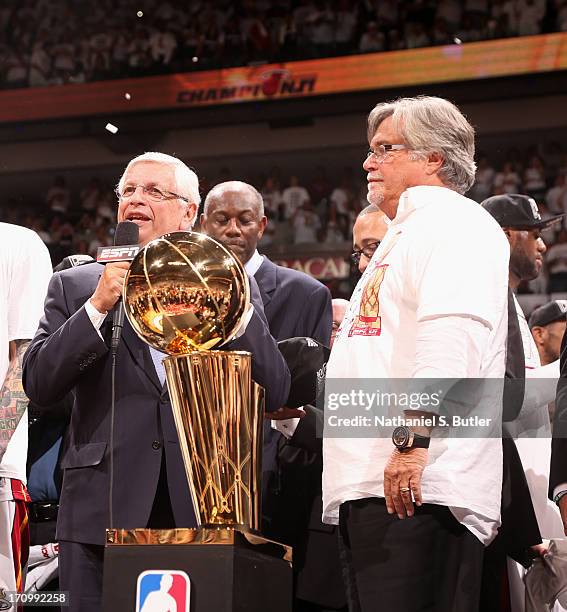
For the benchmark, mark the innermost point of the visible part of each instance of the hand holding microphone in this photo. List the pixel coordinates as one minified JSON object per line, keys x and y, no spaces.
{"x":109,"y":288}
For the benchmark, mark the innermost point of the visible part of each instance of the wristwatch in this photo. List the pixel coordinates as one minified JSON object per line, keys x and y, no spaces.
{"x":405,"y":439}
{"x":559,"y":497}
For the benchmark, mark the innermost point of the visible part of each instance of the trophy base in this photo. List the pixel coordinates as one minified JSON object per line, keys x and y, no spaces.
{"x":229,"y":570}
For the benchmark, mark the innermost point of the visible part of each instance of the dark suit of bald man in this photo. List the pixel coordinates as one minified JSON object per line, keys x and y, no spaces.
{"x":297,"y":305}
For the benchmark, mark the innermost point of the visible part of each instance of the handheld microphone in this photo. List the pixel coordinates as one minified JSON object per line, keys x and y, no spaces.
{"x":126,"y":240}
{"x":126,"y":247}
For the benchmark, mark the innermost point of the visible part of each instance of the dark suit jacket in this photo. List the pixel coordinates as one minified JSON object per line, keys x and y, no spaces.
{"x":297,"y":305}
{"x":68,"y":354}
{"x":319,"y":579}
{"x":519,"y":529}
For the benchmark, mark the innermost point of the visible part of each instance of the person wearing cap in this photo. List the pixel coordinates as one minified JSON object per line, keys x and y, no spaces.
{"x":547,"y":324}
{"x":558,"y":466}
{"x":519,"y":217}
{"x":415,"y":510}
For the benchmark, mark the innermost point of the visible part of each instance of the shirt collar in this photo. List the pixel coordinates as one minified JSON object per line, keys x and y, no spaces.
{"x":252,"y":265}
{"x":419,"y":197}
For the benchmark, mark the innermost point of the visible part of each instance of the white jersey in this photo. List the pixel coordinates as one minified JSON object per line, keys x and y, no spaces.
{"x":25,"y":270}
{"x":443,"y":256}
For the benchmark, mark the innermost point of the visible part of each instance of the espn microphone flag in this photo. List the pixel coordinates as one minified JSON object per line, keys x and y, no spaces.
{"x":125,"y":247}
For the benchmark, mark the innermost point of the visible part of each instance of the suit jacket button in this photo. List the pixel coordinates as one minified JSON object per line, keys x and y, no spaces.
{"x":156,"y":445}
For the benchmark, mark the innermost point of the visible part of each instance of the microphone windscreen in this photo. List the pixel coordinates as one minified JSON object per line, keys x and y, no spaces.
{"x":127,"y":232}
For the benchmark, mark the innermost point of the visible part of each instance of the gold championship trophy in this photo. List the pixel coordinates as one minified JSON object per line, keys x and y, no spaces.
{"x":184,"y":295}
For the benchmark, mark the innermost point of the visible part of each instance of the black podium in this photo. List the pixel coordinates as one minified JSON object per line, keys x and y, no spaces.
{"x":218,"y":570}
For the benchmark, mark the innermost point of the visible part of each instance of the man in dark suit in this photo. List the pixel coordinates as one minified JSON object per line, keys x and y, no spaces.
{"x":295,"y":305}
{"x":70,"y":351}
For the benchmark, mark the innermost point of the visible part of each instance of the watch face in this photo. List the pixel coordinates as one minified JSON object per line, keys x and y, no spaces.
{"x":400,"y":437}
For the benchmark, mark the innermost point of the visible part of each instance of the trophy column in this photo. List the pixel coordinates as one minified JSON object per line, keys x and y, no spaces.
{"x":225,"y":564}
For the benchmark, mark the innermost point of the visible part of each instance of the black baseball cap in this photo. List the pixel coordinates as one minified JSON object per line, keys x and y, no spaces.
{"x":555,"y":310}
{"x":306,"y":359}
{"x":517,"y":211}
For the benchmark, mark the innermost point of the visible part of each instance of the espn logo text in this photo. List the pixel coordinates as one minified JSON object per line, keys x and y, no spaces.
{"x":109,"y":254}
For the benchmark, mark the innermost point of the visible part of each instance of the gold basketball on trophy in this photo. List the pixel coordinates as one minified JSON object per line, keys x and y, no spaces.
{"x":185,"y":291}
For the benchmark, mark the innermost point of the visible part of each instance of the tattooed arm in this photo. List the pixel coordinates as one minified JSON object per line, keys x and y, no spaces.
{"x":13,"y":401}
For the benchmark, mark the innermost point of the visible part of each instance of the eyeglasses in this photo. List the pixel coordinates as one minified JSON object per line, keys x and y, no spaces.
{"x":367,"y":251}
{"x":382,"y":151}
{"x":153,"y":193}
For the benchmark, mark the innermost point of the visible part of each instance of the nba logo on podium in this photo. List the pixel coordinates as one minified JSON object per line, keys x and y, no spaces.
{"x":163,"y":591}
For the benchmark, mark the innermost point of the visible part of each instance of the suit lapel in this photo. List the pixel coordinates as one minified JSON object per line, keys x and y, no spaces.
{"x":140,"y":353}
{"x":266,"y":279}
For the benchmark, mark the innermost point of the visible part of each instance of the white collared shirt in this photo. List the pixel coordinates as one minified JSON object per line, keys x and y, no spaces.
{"x":253,"y":264}
{"x":443,"y":264}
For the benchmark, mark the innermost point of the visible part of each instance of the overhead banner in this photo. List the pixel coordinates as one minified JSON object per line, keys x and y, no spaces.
{"x":471,"y":61}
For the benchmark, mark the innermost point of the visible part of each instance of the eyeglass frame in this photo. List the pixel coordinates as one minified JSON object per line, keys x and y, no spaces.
{"x":384,"y":149}
{"x":167,"y":195}
{"x":358,"y":253}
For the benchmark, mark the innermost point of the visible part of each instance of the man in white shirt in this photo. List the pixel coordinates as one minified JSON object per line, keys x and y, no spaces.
{"x":414,"y":512}
{"x":25,"y":269}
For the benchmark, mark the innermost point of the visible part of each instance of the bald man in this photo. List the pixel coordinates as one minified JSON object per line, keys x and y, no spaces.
{"x":368,"y":232}
{"x":295,"y":305}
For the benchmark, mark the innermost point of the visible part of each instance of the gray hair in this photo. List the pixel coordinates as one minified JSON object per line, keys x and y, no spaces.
{"x":186,"y":181}
{"x":219,"y":190}
{"x":432,"y":125}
